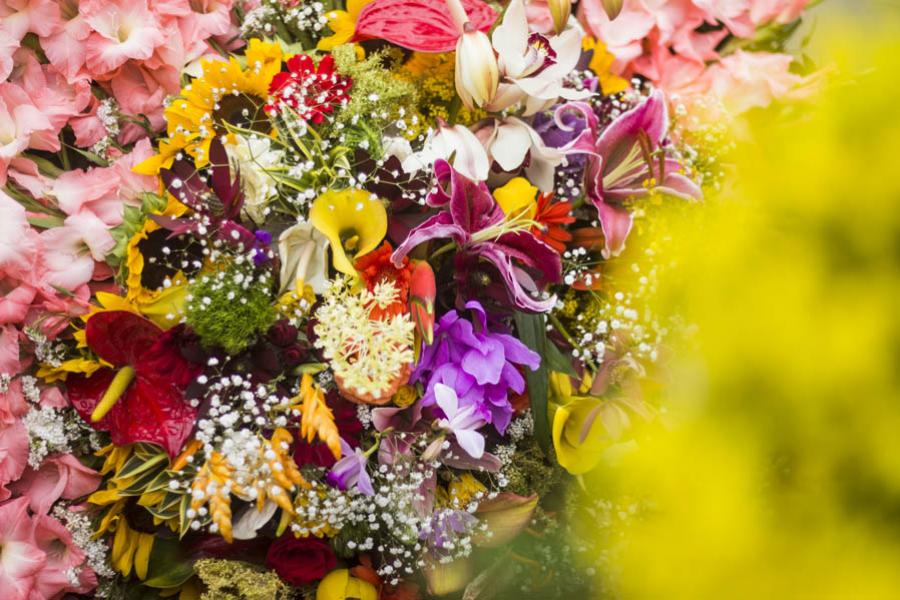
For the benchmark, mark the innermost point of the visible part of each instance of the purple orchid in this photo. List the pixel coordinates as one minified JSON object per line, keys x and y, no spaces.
{"x":476,"y":223}
{"x":628,"y":161}
{"x":350,"y":471}
{"x":479,"y":365}
{"x":462,"y":421}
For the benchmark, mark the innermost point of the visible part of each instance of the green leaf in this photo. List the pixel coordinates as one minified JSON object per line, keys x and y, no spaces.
{"x":169,"y":566}
{"x":557,"y":361}
{"x":46,"y":222}
{"x":532,"y":332}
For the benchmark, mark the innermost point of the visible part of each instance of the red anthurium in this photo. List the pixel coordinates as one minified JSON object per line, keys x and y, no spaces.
{"x":421,"y":25}
{"x":142,"y":399}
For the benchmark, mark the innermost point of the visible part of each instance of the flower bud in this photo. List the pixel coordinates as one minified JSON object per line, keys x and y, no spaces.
{"x":612,"y":8}
{"x":560,"y":11}
{"x":477,"y":73}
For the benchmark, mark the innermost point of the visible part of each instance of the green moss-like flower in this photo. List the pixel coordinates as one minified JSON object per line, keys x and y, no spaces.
{"x":229,"y":309}
{"x":378,"y":99}
{"x":532,"y":473}
{"x":234,"y":580}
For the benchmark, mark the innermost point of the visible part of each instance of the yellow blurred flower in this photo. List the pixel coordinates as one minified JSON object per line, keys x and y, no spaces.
{"x":340,"y":585}
{"x":354,"y":221}
{"x":601,"y":63}
{"x":343,"y":24}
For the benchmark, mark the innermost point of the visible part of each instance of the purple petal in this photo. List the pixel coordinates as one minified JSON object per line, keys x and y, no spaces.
{"x":471,"y":441}
{"x":616,"y":223}
{"x":517,"y":352}
{"x":650,"y":116}
{"x":364,"y":483}
{"x":485,"y":364}
{"x":439,"y":226}
{"x":517,"y":294}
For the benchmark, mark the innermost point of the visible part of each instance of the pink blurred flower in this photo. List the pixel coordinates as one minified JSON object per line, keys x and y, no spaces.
{"x":9,"y":353}
{"x":746,"y":80}
{"x":56,"y":98}
{"x":60,"y":476}
{"x":22,"y":559}
{"x":70,"y":250}
{"x":19,"y":17}
{"x":122,"y":30}
{"x":141,"y":91}
{"x":12,"y":403}
{"x":8,"y":46}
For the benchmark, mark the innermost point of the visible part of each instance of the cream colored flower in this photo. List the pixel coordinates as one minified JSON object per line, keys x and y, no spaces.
{"x":302,"y":249}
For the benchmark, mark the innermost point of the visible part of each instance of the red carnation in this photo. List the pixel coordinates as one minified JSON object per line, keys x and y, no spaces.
{"x":300,"y":561}
{"x":312,"y":92}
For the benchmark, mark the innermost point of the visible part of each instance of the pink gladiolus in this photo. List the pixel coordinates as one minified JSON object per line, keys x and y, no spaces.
{"x":60,"y":476}
{"x":22,"y":560}
{"x":62,"y":558}
{"x":122,"y":30}
{"x":72,"y":249}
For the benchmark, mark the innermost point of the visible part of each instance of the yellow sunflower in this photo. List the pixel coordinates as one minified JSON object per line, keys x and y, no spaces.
{"x":225,"y":93}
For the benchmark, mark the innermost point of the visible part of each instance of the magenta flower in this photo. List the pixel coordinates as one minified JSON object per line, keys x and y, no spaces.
{"x":478,"y":364}
{"x":628,"y":161}
{"x":350,"y":471}
{"x":473,"y":220}
{"x":462,"y":422}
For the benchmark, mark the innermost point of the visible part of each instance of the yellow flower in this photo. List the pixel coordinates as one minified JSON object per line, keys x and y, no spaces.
{"x":131,"y":549}
{"x":168,"y":150}
{"x":354,"y":222}
{"x":343,"y":24}
{"x":517,"y":199}
{"x":225,"y":93}
{"x":340,"y":585}
{"x":600,"y":64}
{"x":52,"y":374}
{"x":578,"y":433}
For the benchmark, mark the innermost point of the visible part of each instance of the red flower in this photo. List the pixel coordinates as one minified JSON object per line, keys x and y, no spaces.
{"x":376,"y":267}
{"x":312,"y":92}
{"x":300,"y":561}
{"x":152,"y":407}
{"x":551,"y":217}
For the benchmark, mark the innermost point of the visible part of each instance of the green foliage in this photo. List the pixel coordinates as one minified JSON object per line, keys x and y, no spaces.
{"x":235,"y":580}
{"x":532,"y":473}
{"x":229,"y":309}
{"x":533,"y":333}
{"x":376,"y":98}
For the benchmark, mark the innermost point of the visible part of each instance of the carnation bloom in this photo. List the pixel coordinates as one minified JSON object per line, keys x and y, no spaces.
{"x":478,"y":364}
{"x":310,"y":91}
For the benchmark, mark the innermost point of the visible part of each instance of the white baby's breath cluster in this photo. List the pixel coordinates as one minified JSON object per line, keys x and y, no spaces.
{"x":95,"y":551}
{"x":47,"y":434}
{"x":366,"y":354}
{"x":271,"y":16}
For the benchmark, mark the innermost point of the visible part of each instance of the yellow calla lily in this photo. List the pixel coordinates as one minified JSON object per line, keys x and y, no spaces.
{"x":340,"y":585}
{"x":579,"y":435}
{"x":517,"y":199}
{"x":354,"y":222}
{"x":343,"y":24}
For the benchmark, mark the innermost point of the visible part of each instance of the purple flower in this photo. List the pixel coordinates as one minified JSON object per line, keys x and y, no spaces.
{"x":627,"y":157}
{"x":350,"y":471}
{"x":479,"y":365}
{"x":445,"y":526}
{"x":476,"y":223}
{"x":462,"y":422}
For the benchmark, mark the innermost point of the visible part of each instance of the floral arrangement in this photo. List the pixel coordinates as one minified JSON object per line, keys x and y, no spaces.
{"x":341,"y":299}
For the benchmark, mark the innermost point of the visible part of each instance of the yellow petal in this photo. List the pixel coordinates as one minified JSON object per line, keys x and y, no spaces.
{"x":578,"y":435}
{"x":142,"y":554}
{"x":339,"y":585}
{"x":517,"y":198}
{"x":353,"y":221}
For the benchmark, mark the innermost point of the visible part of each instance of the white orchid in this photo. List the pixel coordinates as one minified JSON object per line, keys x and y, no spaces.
{"x":511,"y":140}
{"x":456,"y":142}
{"x":532,"y":66}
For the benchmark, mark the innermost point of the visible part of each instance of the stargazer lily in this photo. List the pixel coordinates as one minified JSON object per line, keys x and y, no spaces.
{"x":629,"y":160}
{"x":483,"y":234}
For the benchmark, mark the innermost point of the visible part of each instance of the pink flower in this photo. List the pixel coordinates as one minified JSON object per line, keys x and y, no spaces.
{"x":9,"y":353}
{"x":22,"y":125}
{"x":104,"y":191}
{"x":60,"y":476}
{"x":70,"y":250}
{"x":779,"y":11}
{"x":62,"y":556}
{"x":56,"y":98}
{"x":746,"y":80}
{"x":19,"y":17}
{"x":22,"y":560}
{"x":18,"y":245}
{"x":141,"y":91}
{"x":65,"y":48}
{"x":13,"y":460}
{"x":8,"y":46}
{"x":122,"y":30}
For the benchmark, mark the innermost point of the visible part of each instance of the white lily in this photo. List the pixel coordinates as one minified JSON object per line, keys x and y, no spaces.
{"x":457,"y":142}
{"x":533,"y":67}
{"x":509,"y":141}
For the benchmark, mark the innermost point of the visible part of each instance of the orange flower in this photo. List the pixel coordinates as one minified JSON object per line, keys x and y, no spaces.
{"x":376,"y":267}
{"x":551,"y":218}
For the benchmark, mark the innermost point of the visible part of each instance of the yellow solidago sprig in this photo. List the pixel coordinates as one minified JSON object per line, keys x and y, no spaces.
{"x":370,"y":358}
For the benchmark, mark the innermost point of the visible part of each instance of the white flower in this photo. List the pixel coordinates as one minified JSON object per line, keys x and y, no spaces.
{"x":469,"y":156}
{"x":303,"y":253}
{"x":253,"y":158}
